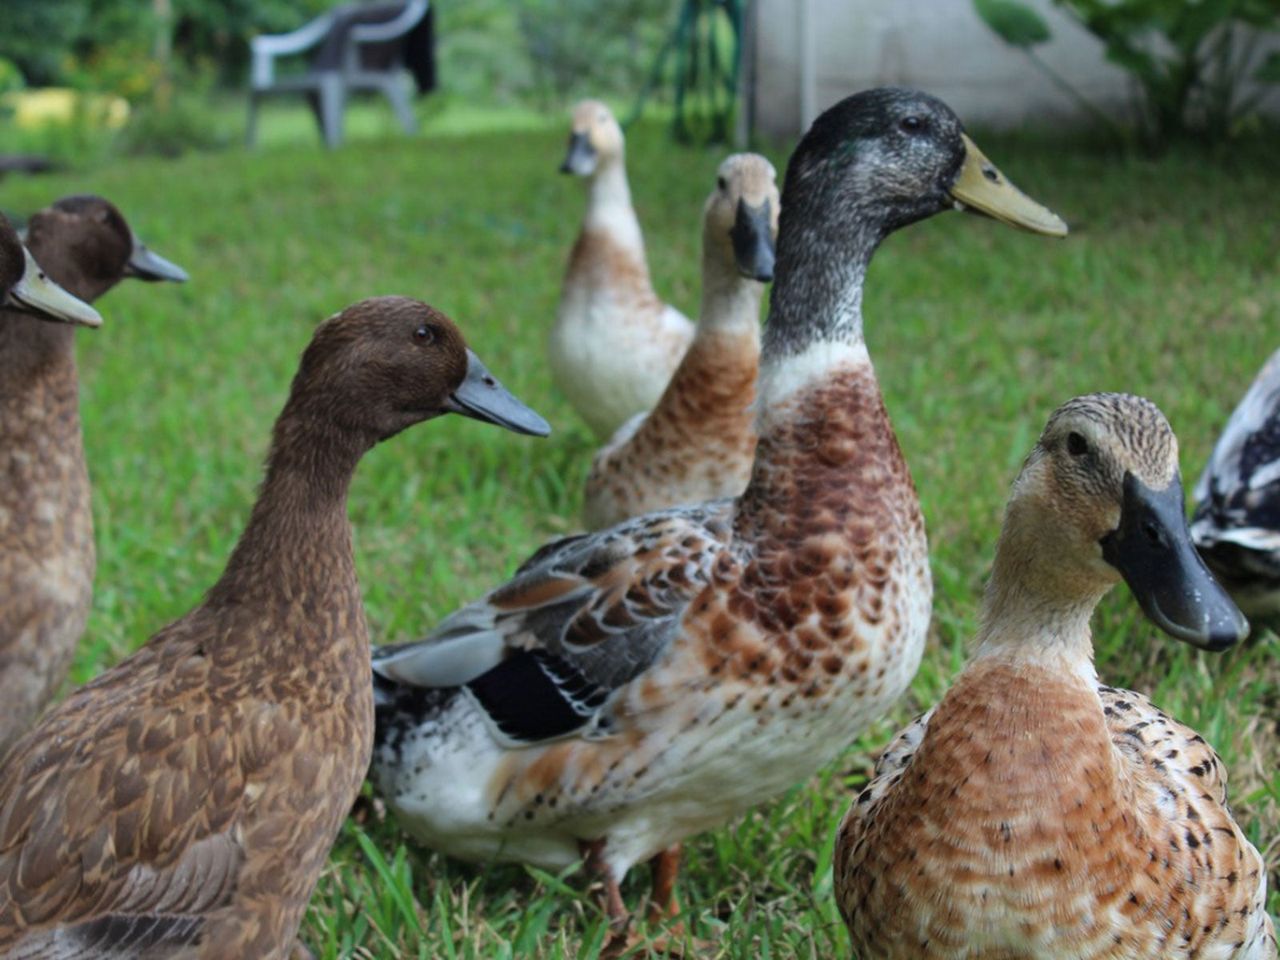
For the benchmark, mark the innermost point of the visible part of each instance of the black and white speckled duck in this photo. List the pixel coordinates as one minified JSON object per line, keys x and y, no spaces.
{"x":1236,"y":526}
{"x":46,"y":527}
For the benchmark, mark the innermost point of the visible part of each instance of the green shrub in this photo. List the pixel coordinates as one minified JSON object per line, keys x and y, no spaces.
{"x":1191,"y":59}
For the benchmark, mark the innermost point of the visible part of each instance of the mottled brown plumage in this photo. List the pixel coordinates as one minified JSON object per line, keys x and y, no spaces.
{"x":46,"y":528}
{"x":1036,"y":814}
{"x":183,"y":803}
{"x":697,"y":444}
{"x":631,"y":687}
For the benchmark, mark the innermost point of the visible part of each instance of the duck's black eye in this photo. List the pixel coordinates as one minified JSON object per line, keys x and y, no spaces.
{"x":1077,"y":445}
{"x":424,"y":334}
{"x":911,"y":124}
{"x":722,"y":183}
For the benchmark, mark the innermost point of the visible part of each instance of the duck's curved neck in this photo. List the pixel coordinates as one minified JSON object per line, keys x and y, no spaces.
{"x":817,"y":296}
{"x":296,"y":550}
{"x":1036,"y":609}
{"x":730,"y":302}
{"x":609,"y":208}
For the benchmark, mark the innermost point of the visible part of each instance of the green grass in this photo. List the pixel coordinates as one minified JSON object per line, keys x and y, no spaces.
{"x":1166,"y":288}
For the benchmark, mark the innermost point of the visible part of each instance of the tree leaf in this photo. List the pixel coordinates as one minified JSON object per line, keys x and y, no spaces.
{"x":1015,"y":23}
{"x":1269,"y":71}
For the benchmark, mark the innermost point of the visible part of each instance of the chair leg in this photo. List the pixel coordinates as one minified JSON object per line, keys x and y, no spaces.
{"x":398,"y":93}
{"x":332,"y":101}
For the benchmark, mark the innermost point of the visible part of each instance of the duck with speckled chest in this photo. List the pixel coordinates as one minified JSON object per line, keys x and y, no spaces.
{"x":631,"y":687}
{"x":182,"y":804}
{"x":698,"y":443}
{"x":1035,"y":813}
{"x":1236,"y":526}
{"x":26,"y":287}
{"x":46,"y":526}
{"x":615,"y":344}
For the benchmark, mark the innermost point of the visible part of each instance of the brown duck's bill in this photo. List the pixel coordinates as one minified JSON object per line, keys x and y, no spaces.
{"x":36,"y":293}
{"x":981,"y":187}
{"x":752,"y":237}
{"x":580,"y":159}
{"x":481,"y":397}
{"x":1152,"y":549}
{"x":145,"y":264}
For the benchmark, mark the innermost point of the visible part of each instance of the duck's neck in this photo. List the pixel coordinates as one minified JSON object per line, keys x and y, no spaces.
{"x":821,"y":422}
{"x":730,"y":302}
{"x":294,"y":560}
{"x":609,"y":208}
{"x":1037,"y":610}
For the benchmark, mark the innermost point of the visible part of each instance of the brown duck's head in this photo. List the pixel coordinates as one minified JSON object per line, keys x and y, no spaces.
{"x":740,"y":219}
{"x":386,"y":363}
{"x":88,"y":245}
{"x":25,"y":286}
{"x":594,"y":137}
{"x":1101,"y":496}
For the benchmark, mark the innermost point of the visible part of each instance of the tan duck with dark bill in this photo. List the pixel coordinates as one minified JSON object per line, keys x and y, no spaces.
{"x":182,"y":804}
{"x":631,"y":687}
{"x":698,"y":443}
{"x":24,"y":285}
{"x":615,"y":344}
{"x":1036,"y":813}
{"x":46,"y":526}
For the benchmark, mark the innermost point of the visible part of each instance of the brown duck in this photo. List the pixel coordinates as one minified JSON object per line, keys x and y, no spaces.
{"x":183,"y":803}
{"x":25,"y":286}
{"x":46,"y":528}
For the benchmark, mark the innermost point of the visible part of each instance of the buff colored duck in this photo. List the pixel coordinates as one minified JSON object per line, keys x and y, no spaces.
{"x":182,"y":804}
{"x":615,"y":344}
{"x":47,"y":555}
{"x":1036,"y":813}
{"x":26,"y":287}
{"x":698,"y":443}
{"x":1236,"y":526}
{"x":631,"y":687}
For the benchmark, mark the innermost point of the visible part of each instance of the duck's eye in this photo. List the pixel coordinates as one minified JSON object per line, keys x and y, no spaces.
{"x":1077,"y":445}
{"x":912,"y":124}
{"x":722,"y":183}
{"x":424,"y":334}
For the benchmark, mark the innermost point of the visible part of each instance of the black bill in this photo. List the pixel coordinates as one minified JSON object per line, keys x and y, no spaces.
{"x":752,"y":236}
{"x":482,"y":397}
{"x":145,"y":264}
{"x":580,"y":160}
{"x":36,"y":293}
{"x":1152,"y":549}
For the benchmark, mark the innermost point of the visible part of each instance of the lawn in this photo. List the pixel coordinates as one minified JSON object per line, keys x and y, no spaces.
{"x":1166,"y":287}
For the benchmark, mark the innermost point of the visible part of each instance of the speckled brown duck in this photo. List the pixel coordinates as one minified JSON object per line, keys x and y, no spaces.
{"x":46,"y":527}
{"x":1036,"y":813}
{"x":183,"y":803}
{"x":631,"y":687}
{"x":25,"y":286}
{"x":615,"y":343}
{"x":699,"y":442}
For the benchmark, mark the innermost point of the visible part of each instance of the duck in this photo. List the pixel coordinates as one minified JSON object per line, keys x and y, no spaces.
{"x":698,"y":443}
{"x":615,"y":343}
{"x":633,"y":686}
{"x":25,"y":287}
{"x":182,"y":804}
{"x":1236,"y":524}
{"x":47,"y":556}
{"x":1037,"y":813}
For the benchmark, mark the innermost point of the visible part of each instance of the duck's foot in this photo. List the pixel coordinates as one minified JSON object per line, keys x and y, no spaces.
{"x":672,"y":943}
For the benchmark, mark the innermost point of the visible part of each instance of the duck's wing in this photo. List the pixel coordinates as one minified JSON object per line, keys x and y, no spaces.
{"x":543,"y":653}
{"x":1238,"y":495}
{"x":119,"y":820}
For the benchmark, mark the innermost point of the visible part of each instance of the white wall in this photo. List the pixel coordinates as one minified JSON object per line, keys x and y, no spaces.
{"x":941,"y":46}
